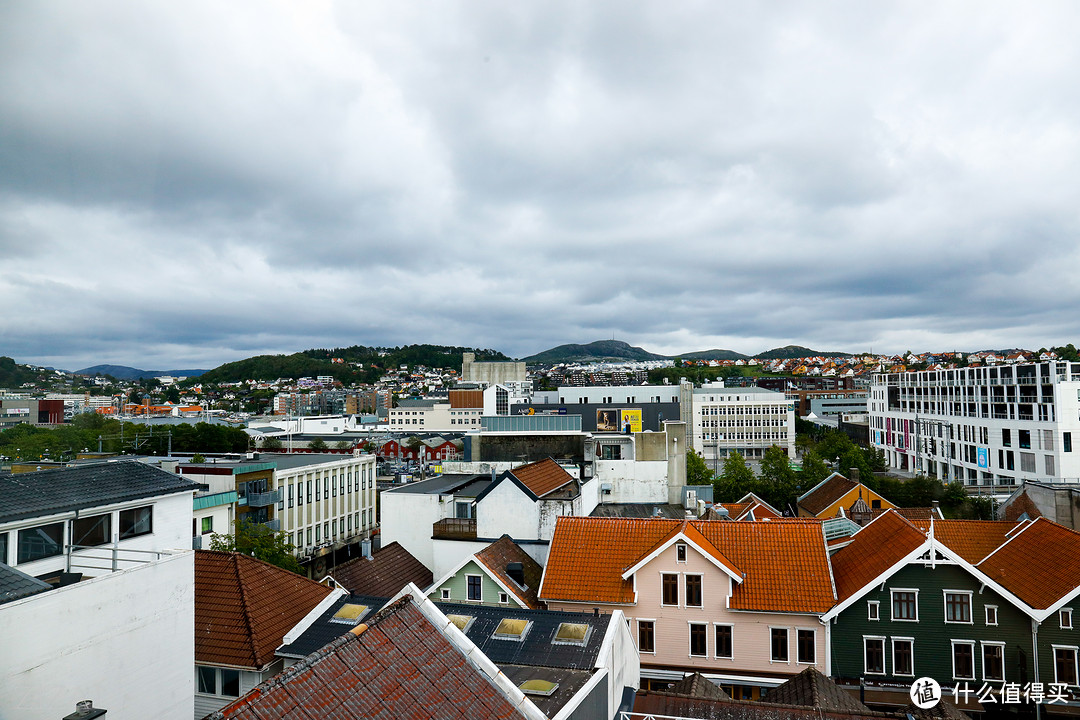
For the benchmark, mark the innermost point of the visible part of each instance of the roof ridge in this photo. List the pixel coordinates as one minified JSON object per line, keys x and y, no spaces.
{"x":245,"y":610}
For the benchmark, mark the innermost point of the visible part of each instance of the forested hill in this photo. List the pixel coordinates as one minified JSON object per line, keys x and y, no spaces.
{"x":374,"y":362}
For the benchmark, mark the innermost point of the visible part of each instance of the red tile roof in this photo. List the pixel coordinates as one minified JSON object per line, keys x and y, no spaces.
{"x":826,"y":493}
{"x":1039,"y":564}
{"x":970,"y":539}
{"x":400,"y":666}
{"x":496,"y":556}
{"x":872,"y":551}
{"x":383,"y":574}
{"x":543,"y":477}
{"x":244,"y":607}
{"x":786,"y":564}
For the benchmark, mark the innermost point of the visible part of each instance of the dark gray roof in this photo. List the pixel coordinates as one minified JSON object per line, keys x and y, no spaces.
{"x":449,"y":484}
{"x":323,"y":631}
{"x":537,"y":647}
{"x":15,"y":584}
{"x":569,"y":682}
{"x":47,"y":492}
{"x":639,"y":510}
{"x":811,"y":688}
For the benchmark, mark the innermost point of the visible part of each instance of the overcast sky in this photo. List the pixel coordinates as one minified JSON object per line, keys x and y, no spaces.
{"x":184,"y":184}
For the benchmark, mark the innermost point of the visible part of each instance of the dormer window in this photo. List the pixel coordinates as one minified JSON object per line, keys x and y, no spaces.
{"x":680,"y":552}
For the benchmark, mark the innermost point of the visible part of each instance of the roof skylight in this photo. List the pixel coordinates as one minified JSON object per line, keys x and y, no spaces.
{"x":349,"y":614}
{"x":571,"y":634}
{"x":461,"y":621}
{"x":536,"y":686}
{"x":512,"y":629}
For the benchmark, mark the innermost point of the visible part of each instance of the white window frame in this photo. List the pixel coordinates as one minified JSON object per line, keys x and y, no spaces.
{"x":875,"y":606}
{"x":971,"y":606}
{"x":952,"y":658}
{"x":716,"y":646}
{"x":986,"y":615}
{"x":910,"y":641}
{"x":892,"y":604}
{"x":813,"y":634}
{"x":1065,"y":614}
{"x":982,"y":657}
{"x":637,"y":637}
{"x":884,"y":667}
{"x":787,"y":630}
{"x":678,"y":589}
{"x":1075,"y":653}
{"x":504,"y":598}
{"x":689,"y":635}
{"x":479,"y":577}
{"x":686,"y":595}
{"x":680,"y":549}
{"x":445,"y":593}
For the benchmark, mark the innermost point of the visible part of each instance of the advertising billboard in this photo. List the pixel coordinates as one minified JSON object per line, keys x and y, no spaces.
{"x":630,"y":420}
{"x":607,"y":420}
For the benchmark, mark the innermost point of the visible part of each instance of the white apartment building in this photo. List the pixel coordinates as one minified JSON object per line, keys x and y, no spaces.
{"x":608,"y":394}
{"x":994,"y":425}
{"x":327,"y":501}
{"x":747,"y":420}
{"x":432,"y":416}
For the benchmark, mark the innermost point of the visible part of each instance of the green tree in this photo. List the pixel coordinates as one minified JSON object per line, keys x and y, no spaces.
{"x":697,"y":472}
{"x":735,"y":480}
{"x":814,"y":470}
{"x":259,"y":541}
{"x":778,"y":480}
{"x":343,"y":445}
{"x":198,"y":458}
{"x":271,"y":443}
{"x":317,"y":444}
{"x":172,"y":394}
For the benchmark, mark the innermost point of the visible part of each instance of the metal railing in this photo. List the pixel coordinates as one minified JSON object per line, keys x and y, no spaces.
{"x":110,"y":557}
{"x":264,"y":499}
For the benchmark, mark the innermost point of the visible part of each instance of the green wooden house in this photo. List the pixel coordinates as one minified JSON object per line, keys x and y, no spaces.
{"x":959,"y":601}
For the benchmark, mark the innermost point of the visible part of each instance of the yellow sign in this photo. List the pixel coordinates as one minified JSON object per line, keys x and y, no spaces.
{"x":631,"y":419}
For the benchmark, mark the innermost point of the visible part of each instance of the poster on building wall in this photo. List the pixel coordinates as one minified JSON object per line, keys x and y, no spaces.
{"x":983,"y":455}
{"x":607,"y":421}
{"x":630,"y":420}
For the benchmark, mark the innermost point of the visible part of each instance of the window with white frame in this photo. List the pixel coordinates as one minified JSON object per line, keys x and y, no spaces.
{"x":991,"y":614}
{"x":993,"y":661}
{"x":1065,"y":666}
{"x":646,"y":636}
{"x":472,"y":587}
{"x":903,"y":654}
{"x":805,"y":646}
{"x":873,"y":610}
{"x":725,"y":646}
{"x":693,"y":590}
{"x":217,"y":681}
{"x":1065,"y":618}
{"x":778,"y":645}
{"x":699,"y":640}
{"x":958,"y":606}
{"x":874,"y":655}
{"x":905,"y":605}
{"x":963,"y":659}
{"x":445,"y":593}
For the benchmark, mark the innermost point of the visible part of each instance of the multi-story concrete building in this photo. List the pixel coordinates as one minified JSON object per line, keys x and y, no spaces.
{"x":747,"y":420}
{"x":491,"y":373}
{"x":982,"y":425}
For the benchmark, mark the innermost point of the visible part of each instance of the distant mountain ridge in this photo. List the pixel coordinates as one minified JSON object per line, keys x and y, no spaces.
{"x":593,"y":352}
{"x":713,"y":355}
{"x":123,"y":372}
{"x":789,"y":352}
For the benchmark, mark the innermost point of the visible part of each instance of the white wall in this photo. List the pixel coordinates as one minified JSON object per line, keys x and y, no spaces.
{"x":449,"y":554}
{"x":407,"y":519}
{"x":171,"y":526}
{"x":620,"y":657}
{"x":124,"y":640}
{"x":632,"y":481}
{"x":506,"y":509}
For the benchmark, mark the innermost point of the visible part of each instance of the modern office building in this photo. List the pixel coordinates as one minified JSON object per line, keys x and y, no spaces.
{"x":747,"y":420}
{"x":994,"y":425}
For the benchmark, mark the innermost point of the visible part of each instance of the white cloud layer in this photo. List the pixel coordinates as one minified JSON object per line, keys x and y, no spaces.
{"x":184,"y":184}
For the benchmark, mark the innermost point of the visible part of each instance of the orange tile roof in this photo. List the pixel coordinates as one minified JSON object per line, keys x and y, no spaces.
{"x":785,"y":564}
{"x":543,"y":477}
{"x":825,"y":494}
{"x":1038,"y":564}
{"x":244,"y":607}
{"x":762,"y":511}
{"x":735,"y":510}
{"x":970,"y":539}
{"x":496,"y":556}
{"x":872,"y":551}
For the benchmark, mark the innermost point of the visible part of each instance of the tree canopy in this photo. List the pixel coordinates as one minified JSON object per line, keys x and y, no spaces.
{"x":260,"y":542}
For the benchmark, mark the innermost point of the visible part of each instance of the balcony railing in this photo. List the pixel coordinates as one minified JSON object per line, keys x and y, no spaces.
{"x":274,"y":524}
{"x":455,"y":529}
{"x":264,"y":499}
